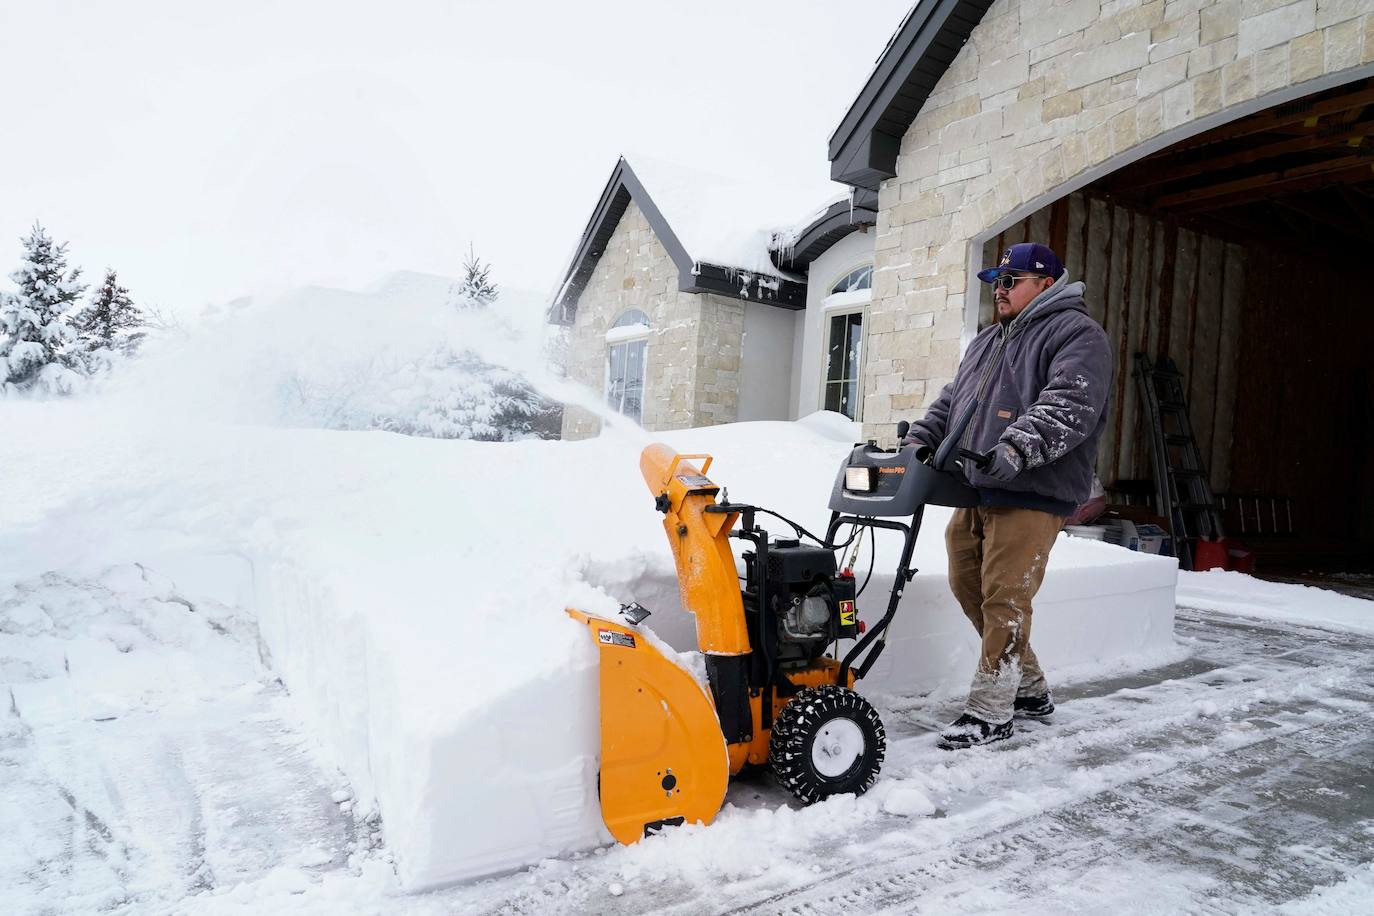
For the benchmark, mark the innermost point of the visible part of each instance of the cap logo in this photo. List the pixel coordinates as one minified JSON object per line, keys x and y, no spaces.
{"x":1006,"y":258}
{"x":1038,"y":264}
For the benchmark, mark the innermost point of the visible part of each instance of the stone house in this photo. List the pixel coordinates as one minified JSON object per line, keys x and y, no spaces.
{"x":675,"y":319}
{"x":1206,"y":166}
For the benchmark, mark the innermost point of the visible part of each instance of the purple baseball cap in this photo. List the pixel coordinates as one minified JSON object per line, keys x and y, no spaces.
{"x":1028,"y":257}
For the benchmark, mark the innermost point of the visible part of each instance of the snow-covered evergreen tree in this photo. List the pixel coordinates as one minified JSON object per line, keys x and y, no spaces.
{"x":476,"y":288}
{"x":36,"y":337}
{"x":111,"y":320}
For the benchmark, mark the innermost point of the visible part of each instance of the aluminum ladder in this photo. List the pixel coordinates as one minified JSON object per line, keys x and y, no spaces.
{"x":1183,"y":493}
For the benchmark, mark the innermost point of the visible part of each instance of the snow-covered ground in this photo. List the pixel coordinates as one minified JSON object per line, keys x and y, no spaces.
{"x":147,"y":754}
{"x":153,"y":764}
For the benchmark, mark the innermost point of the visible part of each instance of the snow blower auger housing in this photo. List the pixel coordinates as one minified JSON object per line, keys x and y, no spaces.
{"x":780,"y":683}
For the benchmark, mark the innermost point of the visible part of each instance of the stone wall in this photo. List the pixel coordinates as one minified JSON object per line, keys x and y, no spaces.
{"x":1044,"y":91}
{"x":693,"y":352}
{"x":720,"y":342}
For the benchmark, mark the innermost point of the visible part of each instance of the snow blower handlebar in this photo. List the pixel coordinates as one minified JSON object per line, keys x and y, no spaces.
{"x":947,"y":448}
{"x":924,"y":479}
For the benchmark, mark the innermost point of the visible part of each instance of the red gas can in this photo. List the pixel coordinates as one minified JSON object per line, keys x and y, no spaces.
{"x":1210,"y":555}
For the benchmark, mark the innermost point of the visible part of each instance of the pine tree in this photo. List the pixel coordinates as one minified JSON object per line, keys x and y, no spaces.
{"x":110,"y":318}
{"x":36,"y":336}
{"x":476,"y":288}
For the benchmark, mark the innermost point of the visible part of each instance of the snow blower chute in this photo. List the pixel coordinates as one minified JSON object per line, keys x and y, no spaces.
{"x":781,"y":685}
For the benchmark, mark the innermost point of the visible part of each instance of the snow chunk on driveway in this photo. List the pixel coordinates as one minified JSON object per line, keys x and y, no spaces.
{"x":908,"y":801}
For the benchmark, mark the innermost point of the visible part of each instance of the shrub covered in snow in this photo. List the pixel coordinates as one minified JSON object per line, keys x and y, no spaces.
{"x":445,"y":394}
{"x":400,"y":357}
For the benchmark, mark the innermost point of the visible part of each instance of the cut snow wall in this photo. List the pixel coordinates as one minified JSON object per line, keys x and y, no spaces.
{"x":509,"y":781}
{"x":429,"y":651}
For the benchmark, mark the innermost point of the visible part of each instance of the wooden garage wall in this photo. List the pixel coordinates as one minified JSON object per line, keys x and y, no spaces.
{"x":1304,"y":423}
{"x":1156,"y":288}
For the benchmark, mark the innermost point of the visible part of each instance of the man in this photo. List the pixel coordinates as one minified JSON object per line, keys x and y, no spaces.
{"x":1042,"y":375}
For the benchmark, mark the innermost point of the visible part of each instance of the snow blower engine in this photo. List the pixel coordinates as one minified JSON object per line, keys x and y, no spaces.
{"x":784,"y":644}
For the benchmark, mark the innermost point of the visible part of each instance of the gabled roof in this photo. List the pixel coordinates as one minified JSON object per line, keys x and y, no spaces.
{"x":863,"y":149}
{"x":798,"y":247}
{"x":712,"y":228}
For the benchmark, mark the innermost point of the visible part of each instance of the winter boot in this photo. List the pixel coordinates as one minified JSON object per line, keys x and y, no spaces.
{"x":968,"y":731}
{"x":1034,"y":707}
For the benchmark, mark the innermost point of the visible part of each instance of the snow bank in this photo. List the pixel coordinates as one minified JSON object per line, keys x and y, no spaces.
{"x":410,"y":592}
{"x":1235,"y":593}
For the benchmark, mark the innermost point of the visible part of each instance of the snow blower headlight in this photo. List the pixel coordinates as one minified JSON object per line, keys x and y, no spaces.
{"x":859,"y":480}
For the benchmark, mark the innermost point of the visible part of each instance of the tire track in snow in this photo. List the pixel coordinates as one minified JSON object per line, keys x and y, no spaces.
{"x":1272,"y":764}
{"x":145,"y":756}
{"x":1110,"y":798}
{"x":1040,"y":854}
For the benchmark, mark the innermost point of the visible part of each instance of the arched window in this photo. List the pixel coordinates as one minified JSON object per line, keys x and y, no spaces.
{"x":630,"y":318}
{"x":627,"y":344}
{"x":857,"y":279}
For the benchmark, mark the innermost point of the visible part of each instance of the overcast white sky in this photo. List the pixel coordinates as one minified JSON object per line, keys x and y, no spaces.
{"x":211,"y":150}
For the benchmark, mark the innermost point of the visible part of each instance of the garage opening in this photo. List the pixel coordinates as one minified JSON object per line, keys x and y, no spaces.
{"x":1246,"y":255}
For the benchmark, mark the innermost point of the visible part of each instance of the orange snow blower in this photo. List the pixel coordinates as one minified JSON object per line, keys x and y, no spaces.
{"x":780,"y":691}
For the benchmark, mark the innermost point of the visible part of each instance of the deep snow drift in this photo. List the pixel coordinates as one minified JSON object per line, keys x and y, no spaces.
{"x":410,"y":593}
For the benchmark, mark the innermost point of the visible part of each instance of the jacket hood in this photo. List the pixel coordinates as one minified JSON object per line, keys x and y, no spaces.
{"x":1060,"y":297}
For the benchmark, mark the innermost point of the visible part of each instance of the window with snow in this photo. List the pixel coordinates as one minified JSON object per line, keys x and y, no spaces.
{"x":857,"y":279}
{"x":627,"y":343}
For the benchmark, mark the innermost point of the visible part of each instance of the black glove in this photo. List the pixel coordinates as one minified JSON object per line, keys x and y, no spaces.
{"x":1006,"y":462}
{"x":924,"y":453}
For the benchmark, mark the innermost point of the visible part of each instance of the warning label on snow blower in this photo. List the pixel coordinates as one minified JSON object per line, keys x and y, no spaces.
{"x":612,"y":638}
{"x":846,"y":613}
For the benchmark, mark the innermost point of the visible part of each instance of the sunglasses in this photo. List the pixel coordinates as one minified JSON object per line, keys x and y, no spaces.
{"x":1007,"y":281}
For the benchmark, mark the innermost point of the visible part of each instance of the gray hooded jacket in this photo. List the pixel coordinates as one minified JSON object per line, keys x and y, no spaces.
{"x":1043,"y":383}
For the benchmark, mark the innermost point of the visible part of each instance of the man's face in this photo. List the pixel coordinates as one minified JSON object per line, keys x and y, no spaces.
{"x":1008,"y":303}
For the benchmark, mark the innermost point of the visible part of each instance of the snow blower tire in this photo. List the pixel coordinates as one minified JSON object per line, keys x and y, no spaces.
{"x":827,"y":741}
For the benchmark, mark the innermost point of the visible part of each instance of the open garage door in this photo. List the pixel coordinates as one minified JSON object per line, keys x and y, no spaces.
{"x":1246,"y":254}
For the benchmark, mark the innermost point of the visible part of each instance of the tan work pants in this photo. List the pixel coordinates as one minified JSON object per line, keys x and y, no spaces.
{"x":997,"y":560}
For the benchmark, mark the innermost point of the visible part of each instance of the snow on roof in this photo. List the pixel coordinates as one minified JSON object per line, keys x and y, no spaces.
{"x":727,"y":221}
{"x":787,"y":236}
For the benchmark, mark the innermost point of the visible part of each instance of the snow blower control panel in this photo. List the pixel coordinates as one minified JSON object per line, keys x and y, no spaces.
{"x":876,"y":482}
